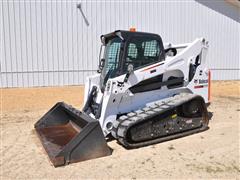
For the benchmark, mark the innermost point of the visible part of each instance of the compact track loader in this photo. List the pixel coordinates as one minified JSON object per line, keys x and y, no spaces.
{"x":145,"y":92}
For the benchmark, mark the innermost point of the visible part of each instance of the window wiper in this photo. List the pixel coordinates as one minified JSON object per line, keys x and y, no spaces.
{"x":116,"y":58}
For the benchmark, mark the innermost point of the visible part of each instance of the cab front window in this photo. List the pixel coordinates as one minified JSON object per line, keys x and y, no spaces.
{"x":112,"y":57}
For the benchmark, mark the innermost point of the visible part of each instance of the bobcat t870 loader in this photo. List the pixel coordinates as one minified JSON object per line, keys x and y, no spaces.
{"x":145,"y":92}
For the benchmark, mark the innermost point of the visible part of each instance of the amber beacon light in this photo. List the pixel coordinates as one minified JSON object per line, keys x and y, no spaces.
{"x":132,"y":29}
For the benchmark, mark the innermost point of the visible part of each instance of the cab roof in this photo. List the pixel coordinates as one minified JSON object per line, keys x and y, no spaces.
{"x":124,"y":35}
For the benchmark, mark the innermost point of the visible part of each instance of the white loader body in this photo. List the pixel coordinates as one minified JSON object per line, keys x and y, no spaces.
{"x":119,"y":99}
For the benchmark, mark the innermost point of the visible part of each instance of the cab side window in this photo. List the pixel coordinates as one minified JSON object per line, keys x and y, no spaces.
{"x":151,"y":49}
{"x":141,"y":52}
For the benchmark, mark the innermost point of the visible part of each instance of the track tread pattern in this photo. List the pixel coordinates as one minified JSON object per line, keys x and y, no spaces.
{"x":120,"y":128}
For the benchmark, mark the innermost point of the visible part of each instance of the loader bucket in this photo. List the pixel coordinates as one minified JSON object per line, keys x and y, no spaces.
{"x":69,"y":135}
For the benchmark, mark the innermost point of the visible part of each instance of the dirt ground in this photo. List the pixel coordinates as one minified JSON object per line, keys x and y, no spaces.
{"x":211,"y":154}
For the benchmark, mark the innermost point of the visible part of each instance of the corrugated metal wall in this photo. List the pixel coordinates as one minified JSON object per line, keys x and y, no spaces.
{"x":48,"y":43}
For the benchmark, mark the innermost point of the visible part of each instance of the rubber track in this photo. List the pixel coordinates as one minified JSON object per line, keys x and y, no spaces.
{"x":121,"y":125}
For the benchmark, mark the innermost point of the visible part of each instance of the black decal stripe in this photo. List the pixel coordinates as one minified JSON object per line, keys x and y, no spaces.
{"x":155,"y":83}
{"x":147,"y":85}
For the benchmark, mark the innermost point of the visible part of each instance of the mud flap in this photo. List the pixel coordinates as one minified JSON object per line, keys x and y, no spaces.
{"x":69,"y":135}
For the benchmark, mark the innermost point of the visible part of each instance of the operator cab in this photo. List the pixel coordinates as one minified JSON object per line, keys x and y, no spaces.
{"x":124,"y":48}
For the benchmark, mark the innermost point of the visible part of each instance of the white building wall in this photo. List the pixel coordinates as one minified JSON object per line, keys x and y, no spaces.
{"x":47,"y":43}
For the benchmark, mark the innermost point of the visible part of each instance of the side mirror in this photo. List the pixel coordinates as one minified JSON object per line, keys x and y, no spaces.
{"x":129,"y":71}
{"x":101,"y":65}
